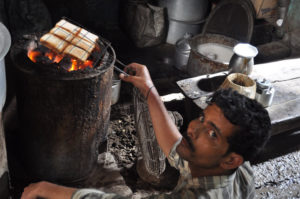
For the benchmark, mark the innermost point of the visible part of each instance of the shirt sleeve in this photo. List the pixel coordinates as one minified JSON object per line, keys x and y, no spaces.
{"x":176,"y":161}
{"x":173,"y":157}
{"x":94,"y":194}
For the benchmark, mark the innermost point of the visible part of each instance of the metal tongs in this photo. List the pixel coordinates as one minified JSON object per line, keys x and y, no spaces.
{"x":118,"y":69}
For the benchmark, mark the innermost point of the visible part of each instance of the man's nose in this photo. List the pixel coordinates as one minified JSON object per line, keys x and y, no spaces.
{"x":193,"y":129}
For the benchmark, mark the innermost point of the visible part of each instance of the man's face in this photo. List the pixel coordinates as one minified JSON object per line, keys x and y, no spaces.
{"x":207,"y":144}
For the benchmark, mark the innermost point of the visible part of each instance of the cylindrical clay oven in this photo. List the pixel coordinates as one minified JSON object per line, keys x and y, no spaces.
{"x":64,"y":116}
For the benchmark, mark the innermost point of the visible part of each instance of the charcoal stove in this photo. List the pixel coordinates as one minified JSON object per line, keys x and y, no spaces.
{"x":64,"y":114}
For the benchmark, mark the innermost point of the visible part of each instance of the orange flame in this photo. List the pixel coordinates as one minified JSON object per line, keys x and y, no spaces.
{"x":33,"y":55}
{"x":56,"y":58}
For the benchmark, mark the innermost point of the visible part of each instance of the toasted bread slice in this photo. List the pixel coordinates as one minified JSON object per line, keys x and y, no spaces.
{"x":88,"y":36}
{"x":53,"y":42}
{"x":84,"y":44}
{"x":76,"y":52}
{"x":68,"y":26}
{"x":62,"y":33}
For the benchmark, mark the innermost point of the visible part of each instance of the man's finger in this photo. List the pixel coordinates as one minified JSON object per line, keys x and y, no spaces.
{"x":121,"y":76}
{"x":126,"y":78}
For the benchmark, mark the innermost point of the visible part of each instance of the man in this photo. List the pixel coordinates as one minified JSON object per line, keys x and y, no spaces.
{"x":212,"y":159}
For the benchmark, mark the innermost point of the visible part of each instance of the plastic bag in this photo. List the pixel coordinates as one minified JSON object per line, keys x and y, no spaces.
{"x":145,"y":23}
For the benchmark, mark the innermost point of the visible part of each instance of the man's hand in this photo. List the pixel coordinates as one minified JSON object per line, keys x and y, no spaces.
{"x":139,"y":77}
{"x":47,"y":190}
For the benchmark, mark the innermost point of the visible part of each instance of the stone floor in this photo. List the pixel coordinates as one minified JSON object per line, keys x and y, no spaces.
{"x":279,"y":175}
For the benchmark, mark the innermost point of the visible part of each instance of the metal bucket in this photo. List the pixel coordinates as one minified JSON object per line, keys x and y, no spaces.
{"x":188,"y":10}
{"x":215,"y":56}
{"x":5,"y":41}
{"x":4,"y":188}
{"x":177,"y":29}
{"x":116,"y":87}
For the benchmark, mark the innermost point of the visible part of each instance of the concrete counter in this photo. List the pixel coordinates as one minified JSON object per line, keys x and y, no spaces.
{"x":285,"y":77}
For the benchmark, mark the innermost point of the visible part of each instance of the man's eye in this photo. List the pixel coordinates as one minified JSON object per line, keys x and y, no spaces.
{"x":212,"y":133}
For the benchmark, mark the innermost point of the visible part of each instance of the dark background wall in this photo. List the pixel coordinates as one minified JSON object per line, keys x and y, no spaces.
{"x":23,"y":16}
{"x":34,"y":16}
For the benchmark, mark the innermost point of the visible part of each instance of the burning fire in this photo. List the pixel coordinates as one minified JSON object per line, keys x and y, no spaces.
{"x":56,"y":58}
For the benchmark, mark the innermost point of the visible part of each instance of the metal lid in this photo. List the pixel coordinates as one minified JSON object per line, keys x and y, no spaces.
{"x":263,"y":84}
{"x":5,"y":41}
{"x":245,"y":50}
{"x":232,"y":18}
{"x":183,"y":43}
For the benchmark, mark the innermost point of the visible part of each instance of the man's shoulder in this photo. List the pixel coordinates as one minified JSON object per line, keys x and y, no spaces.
{"x":244,"y":181}
{"x":245,"y":171}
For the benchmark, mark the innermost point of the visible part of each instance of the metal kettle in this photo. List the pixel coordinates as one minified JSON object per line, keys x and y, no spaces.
{"x":264,"y":92}
{"x":242,"y":60}
{"x":182,"y":52}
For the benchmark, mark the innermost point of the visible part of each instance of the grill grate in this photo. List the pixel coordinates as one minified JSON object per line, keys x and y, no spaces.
{"x":70,"y":38}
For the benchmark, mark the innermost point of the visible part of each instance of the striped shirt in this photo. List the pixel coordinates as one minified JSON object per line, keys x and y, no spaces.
{"x":240,"y":184}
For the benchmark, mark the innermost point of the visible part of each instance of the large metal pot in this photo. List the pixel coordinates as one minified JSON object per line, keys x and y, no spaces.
{"x":177,"y":29}
{"x":5,"y":41}
{"x":185,"y":10}
{"x":210,"y":53}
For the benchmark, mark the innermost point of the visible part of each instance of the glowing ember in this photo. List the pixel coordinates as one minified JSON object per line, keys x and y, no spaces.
{"x":34,"y":55}
{"x":76,"y":66}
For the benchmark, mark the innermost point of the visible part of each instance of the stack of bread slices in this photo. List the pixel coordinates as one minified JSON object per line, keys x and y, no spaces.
{"x":68,"y":39}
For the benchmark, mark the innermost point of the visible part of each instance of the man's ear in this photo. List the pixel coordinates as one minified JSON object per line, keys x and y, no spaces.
{"x":232,"y":161}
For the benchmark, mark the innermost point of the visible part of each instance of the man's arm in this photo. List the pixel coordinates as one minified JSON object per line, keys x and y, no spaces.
{"x":165,"y":130}
{"x":47,"y":190}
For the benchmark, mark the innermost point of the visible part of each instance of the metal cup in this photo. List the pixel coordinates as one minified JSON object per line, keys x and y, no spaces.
{"x":242,"y":60}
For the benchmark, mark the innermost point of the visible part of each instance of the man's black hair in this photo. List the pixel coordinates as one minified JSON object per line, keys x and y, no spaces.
{"x":252,"y":119}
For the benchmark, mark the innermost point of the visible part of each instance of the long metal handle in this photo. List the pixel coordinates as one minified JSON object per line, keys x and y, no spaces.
{"x":119,"y":62}
{"x":118,"y":69}
{"x":121,"y":71}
